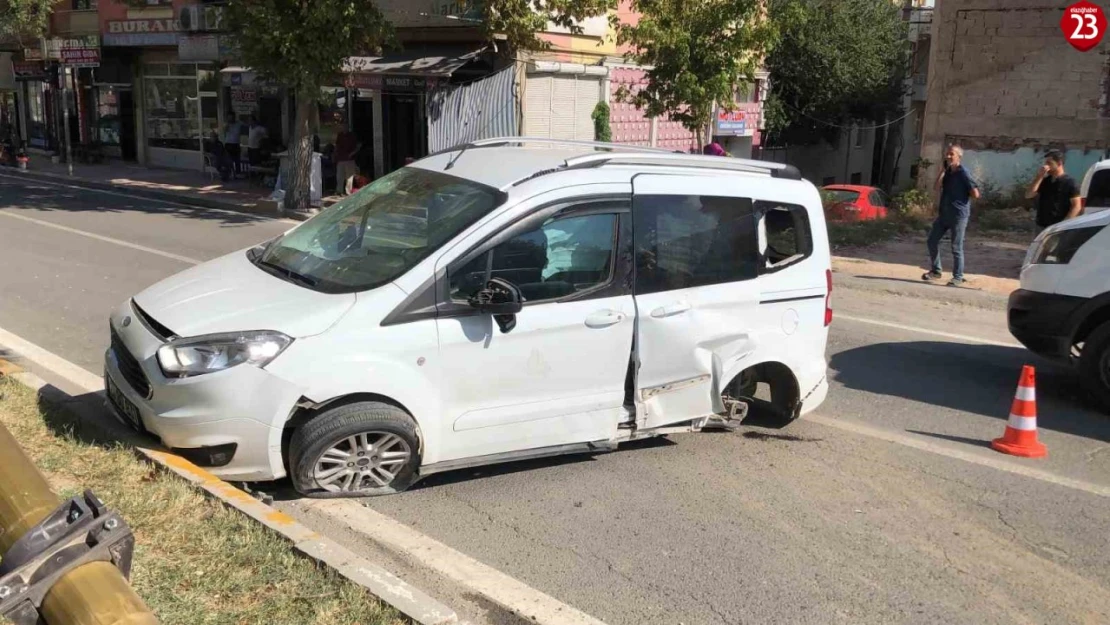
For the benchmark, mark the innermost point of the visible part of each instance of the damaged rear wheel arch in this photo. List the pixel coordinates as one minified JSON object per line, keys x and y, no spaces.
{"x":784,"y":404}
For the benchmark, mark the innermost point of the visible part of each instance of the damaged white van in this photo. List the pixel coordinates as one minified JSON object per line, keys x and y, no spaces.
{"x":508,"y":299}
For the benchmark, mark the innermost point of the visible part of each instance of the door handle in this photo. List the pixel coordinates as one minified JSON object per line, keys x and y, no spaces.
{"x":670,"y":310}
{"x":604,"y":319}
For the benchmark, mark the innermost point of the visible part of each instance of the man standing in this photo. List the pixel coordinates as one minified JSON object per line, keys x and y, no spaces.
{"x":1056,"y":192}
{"x":957,"y":189}
{"x":232,"y":136}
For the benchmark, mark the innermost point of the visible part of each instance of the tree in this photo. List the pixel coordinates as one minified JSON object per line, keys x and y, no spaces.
{"x":301,"y":44}
{"x":838,"y":61}
{"x":24,"y":19}
{"x":518,"y":22}
{"x":700,"y":54}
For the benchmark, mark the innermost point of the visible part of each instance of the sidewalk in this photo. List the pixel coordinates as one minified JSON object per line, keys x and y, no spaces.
{"x":192,"y":188}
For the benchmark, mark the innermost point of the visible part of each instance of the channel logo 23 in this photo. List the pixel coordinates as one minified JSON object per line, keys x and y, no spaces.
{"x":1083,"y":25}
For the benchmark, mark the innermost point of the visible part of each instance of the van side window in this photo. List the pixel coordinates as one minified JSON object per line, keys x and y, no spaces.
{"x":784,"y":235}
{"x":1098,"y":195}
{"x":690,"y":241}
{"x":562,"y":257}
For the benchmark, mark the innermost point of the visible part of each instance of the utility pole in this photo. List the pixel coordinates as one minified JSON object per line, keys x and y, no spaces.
{"x":65,"y":119}
{"x":38,"y":537}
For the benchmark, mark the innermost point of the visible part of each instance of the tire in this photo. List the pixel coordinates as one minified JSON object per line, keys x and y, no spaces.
{"x":357,"y":430}
{"x":1094,"y":366}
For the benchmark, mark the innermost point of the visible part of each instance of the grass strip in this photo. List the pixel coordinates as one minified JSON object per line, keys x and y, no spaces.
{"x":196,"y":561}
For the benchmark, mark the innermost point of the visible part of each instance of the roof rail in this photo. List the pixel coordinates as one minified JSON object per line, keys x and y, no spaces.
{"x":672,"y":159}
{"x":597,"y":145}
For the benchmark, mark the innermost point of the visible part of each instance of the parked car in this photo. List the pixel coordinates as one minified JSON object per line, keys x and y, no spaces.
{"x":1062,"y":310}
{"x":521,"y":312}
{"x":1095,"y":189}
{"x":847,"y":202}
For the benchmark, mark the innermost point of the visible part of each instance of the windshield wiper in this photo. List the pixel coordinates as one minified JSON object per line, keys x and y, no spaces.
{"x":289,"y":273}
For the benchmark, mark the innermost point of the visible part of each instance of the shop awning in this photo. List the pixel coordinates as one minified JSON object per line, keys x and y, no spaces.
{"x":424,"y":61}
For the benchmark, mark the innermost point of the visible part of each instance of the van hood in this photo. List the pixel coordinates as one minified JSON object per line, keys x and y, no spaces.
{"x":230,"y":294}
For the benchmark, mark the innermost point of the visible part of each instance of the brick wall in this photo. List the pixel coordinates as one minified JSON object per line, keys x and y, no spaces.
{"x":1002,"y":77}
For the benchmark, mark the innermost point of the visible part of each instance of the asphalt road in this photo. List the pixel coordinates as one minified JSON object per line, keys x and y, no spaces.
{"x":825,"y":521}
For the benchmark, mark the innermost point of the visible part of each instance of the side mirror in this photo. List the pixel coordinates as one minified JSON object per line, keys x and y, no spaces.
{"x":502,"y":299}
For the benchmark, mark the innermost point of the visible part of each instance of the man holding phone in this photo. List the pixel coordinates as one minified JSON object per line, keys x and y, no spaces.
{"x":1057,"y":193}
{"x":957,"y":189}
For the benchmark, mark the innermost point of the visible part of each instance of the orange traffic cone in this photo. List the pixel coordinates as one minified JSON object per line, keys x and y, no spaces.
{"x":1020,"y":438}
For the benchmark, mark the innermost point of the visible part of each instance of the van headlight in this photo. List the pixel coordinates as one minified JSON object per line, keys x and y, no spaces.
{"x":182,"y":358}
{"x":1059,"y":247}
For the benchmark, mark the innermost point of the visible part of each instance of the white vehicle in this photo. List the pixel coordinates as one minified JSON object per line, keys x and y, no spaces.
{"x":1062,"y":310}
{"x":1095,"y":189}
{"x":500,"y":301}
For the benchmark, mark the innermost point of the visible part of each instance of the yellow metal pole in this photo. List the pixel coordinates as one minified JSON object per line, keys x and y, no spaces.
{"x":92,"y":594}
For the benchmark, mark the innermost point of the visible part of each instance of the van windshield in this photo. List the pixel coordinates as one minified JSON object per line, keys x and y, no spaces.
{"x":376,"y":235}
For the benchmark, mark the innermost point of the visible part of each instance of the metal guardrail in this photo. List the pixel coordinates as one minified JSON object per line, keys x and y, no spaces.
{"x":64,"y":563}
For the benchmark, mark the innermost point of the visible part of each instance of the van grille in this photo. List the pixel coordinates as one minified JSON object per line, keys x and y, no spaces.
{"x":130,"y":368}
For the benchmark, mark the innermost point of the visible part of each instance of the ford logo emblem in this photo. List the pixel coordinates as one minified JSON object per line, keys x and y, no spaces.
{"x":126,"y":321}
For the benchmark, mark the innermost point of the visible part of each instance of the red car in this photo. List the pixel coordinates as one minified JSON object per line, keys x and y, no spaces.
{"x":850,"y":202}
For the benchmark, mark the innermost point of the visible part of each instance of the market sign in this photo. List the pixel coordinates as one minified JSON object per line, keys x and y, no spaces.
{"x":162,"y":32}
{"x":394,"y":83}
{"x":78,"y":51}
{"x":244,"y":100}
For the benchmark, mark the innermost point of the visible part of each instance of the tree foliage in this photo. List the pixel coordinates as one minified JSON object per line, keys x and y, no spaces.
{"x":301,"y":45}
{"x":837,"y":61}
{"x":700,"y":53}
{"x":24,"y":19}
{"x":519,"y":22}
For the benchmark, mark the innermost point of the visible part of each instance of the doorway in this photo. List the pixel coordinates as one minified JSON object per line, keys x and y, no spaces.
{"x":127,"y":141}
{"x":405,"y":115}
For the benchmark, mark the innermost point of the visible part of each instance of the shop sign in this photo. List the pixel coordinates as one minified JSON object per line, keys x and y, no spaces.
{"x":198,"y":48}
{"x":162,"y":32}
{"x":75,"y":51}
{"x":243,"y":100}
{"x":741,"y":122}
{"x":393,"y":83}
{"x":29,"y":70}
{"x":32,"y":54}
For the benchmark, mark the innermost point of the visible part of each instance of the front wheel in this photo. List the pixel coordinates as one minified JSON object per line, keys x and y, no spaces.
{"x":356,"y":450}
{"x":1094,"y":366}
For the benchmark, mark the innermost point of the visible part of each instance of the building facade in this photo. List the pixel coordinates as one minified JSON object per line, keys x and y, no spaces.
{"x":1005,"y":84}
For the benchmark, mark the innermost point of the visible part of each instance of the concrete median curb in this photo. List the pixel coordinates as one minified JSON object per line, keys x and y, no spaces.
{"x":410,"y":601}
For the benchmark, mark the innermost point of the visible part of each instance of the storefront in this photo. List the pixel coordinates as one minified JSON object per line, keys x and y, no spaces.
{"x":110,"y":101}
{"x":390,"y":96}
{"x":38,"y":101}
{"x":181,"y":105}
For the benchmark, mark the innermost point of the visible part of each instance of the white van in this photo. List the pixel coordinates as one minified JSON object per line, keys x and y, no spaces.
{"x":1095,"y":189}
{"x":509,"y":299}
{"x":1062,"y":310}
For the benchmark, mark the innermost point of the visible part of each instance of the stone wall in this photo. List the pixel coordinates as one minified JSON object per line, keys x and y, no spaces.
{"x":1003,"y":78}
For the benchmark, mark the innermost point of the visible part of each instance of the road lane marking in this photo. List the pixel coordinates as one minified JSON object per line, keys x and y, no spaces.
{"x":948,"y":335}
{"x":948,"y":451}
{"x":133,"y":196}
{"x":53,"y":362}
{"x":98,"y":237}
{"x":507,"y":592}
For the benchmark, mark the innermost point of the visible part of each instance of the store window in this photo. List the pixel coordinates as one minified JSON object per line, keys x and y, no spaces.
{"x":37,"y":132}
{"x":107,"y":127}
{"x":178,"y":107}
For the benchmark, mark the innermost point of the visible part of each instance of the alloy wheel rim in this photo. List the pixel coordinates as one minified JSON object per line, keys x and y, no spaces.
{"x":362,"y":461}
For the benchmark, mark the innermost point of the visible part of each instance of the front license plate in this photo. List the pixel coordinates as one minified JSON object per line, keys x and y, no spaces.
{"x":129,"y":411}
